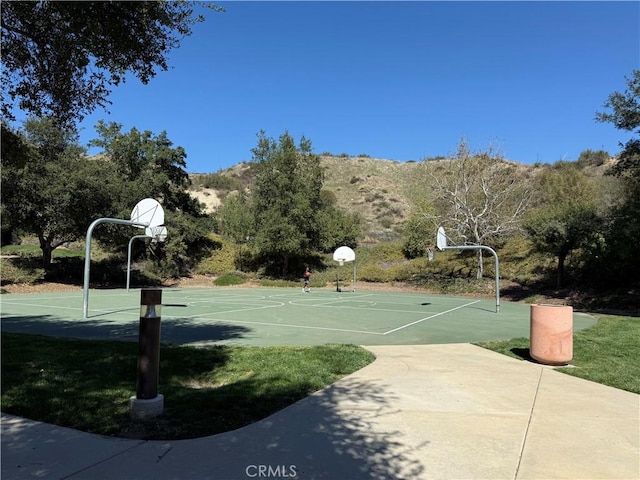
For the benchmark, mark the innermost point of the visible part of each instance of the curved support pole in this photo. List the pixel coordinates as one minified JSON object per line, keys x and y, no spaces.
{"x":87,"y":256}
{"x":353,"y":288}
{"x":129,"y":257}
{"x":497,"y":263}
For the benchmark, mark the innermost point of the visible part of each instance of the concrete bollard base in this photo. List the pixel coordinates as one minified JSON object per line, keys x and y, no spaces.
{"x":141,"y":409}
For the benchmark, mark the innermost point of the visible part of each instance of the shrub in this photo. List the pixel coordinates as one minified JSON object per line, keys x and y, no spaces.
{"x":229,"y":279}
{"x":221,"y":260}
{"x":20,"y":272}
{"x":381,"y":252}
{"x":592,"y":158}
{"x":386,"y":222}
{"x":375,"y":273}
{"x":268,"y":282}
{"x":219,"y":182}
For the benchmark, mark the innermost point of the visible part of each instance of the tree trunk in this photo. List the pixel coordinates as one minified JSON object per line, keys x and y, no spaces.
{"x":480,"y":273}
{"x":45,"y":246}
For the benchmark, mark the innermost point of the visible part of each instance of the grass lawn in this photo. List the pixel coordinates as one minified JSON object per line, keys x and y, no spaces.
{"x":606,"y":353}
{"x":86,"y":385}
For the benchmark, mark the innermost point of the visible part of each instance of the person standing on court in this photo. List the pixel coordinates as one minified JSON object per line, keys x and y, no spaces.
{"x":306,"y":279}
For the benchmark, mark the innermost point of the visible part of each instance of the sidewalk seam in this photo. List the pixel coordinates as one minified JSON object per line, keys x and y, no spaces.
{"x":71,"y":475}
{"x":526,"y":432}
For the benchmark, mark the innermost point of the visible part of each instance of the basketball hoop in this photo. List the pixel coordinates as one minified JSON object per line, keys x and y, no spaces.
{"x":343,"y":255}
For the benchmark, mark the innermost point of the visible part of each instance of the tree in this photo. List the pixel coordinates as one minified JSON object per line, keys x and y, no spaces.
{"x":235,"y":220}
{"x":478,"y":197}
{"x":286,"y":198}
{"x":60,"y":59}
{"x":57,"y":193}
{"x":622,"y":238}
{"x":418,"y":233}
{"x":625,"y":115}
{"x":149,"y":166}
{"x":567,"y":217}
{"x":150,"y":163}
{"x":235,"y":217}
{"x":337,"y":227}
{"x":15,"y":152}
{"x":293,"y":217}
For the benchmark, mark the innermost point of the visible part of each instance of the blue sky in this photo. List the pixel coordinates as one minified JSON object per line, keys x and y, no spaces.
{"x":395,"y":80}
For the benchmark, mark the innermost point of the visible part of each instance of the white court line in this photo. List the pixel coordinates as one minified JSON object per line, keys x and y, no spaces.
{"x":428,"y":318}
{"x":134,"y":311}
{"x":227,"y":301}
{"x":366,"y":308}
{"x":280,"y":304}
{"x":225,"y":312}
{"x":42,"y":306}
{"x":297,"y":326}
{"x":323,"y":296}
{"x":271,"y":324}
{"x":222,"y":297}
{"x":299,"y":302}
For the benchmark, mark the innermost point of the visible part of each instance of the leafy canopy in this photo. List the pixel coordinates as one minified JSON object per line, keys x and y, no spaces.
{"x":60,"y":59}
{"x":293,"y":217}
{"x":624,"y":114}
{"x":57,"y":193}
{"x":622,"y":238}
{"x":567,"y":217}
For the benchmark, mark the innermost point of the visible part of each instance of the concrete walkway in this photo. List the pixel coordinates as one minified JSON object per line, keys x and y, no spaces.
{"x":417,"y":412}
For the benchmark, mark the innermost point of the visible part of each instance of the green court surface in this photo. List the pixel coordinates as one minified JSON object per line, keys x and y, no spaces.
{"x":273,"y":316}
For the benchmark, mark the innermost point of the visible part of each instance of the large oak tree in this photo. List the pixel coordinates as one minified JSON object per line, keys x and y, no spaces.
{"x":55,"y":200}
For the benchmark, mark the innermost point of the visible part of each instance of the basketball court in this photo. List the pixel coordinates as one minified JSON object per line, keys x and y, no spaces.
{"x":255,"y":316}
{"x":273,"y":316}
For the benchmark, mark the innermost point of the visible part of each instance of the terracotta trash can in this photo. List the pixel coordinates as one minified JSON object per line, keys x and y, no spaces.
{"x":551,"y":334}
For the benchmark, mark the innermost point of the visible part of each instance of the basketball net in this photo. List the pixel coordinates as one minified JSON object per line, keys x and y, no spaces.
{"x":341,"y":261}
{"x":158,"y":234}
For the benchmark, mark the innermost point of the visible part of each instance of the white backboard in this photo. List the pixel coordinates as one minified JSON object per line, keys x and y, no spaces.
{"x":148,"y":212}
{"x":345,"y":254}
{"x":441,"y":239}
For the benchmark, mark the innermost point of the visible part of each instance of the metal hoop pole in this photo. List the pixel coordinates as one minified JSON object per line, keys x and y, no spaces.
{"x":497,"y":265}
{"x":87,"y":256}
{"x":129,"y":257}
